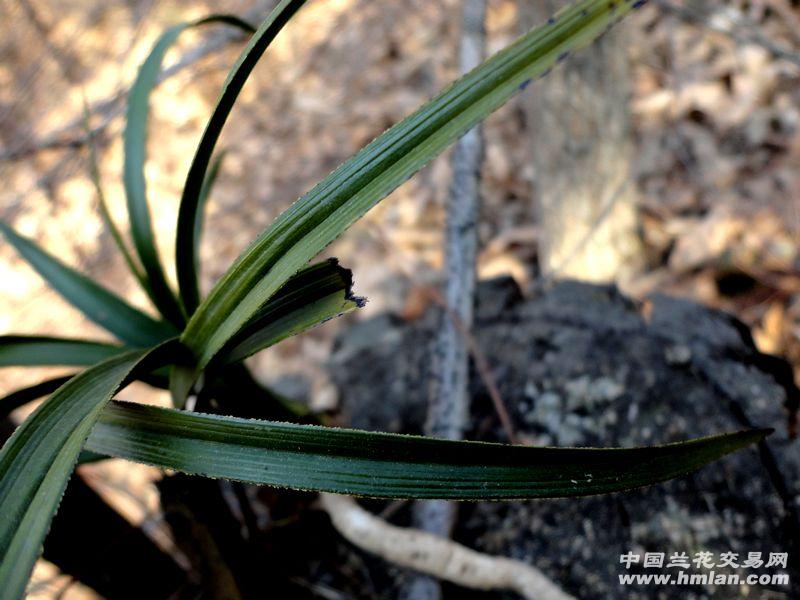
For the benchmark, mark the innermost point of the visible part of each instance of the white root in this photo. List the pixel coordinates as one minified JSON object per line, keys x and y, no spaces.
{"x":436,"y":556}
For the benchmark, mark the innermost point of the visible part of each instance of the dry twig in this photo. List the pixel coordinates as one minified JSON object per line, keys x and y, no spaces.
{"x":108,"y":109}
{"x":448,"y":402}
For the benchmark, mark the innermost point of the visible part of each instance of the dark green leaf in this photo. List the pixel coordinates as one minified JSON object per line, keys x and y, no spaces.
{"x":22,"y":396}
{"x":313,"y":296}
{"x":94,"y":173}
{"x":388,"y":465}
{"x":87,"y":457}
{"x":205,"y":192}
{"x":192,"y":191}
{"x":33,"y":350}
{"x":181,"y":381}
{"x":135,"y":146}
{"x":345,"y":195}
{"x":127,"y":323}
{"x":37,"y":460}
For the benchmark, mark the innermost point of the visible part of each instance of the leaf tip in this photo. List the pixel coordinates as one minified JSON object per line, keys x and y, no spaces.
{"x":349,"y":282}
{"x":763,"y":432}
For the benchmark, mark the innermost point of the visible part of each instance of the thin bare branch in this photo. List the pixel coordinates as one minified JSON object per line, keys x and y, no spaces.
{"x":71,"y":135}
{"x":448,"y":401}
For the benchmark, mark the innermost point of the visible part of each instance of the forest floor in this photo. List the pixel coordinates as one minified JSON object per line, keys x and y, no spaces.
{"x":716,"y":111}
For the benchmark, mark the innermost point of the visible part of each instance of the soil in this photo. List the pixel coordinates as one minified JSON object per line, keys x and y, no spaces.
{"x":582,"y":365}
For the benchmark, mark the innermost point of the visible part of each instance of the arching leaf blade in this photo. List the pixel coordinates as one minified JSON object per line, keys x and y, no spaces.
{"x":192,"y":190}
{"x":105,"y":213}
{"x":36,"y":350}
{"x":389,"y":465}
{"x":321,"y":215}
{"x":135,"y":150}
{"x":37,"y":460}
{"x":316,"y":294}
{"x":21,"y":397}
{"x":199,"y":218}
{"x":109,"y":311}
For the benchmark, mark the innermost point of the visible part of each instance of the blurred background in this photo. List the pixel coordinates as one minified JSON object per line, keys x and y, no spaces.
{"x":669,"y":161}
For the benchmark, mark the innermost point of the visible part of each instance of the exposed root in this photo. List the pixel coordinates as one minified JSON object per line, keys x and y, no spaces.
{"x":436,"y":556}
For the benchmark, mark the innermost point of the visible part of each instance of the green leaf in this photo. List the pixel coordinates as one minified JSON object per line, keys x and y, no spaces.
{"x":205,"y":192}
{"x":37,"y":460}
{"x":192,"y":190}
{"x":87,"y":457}
{"x":109,"y":311}
{"x":32,"y":350}
{"x":387,"y":465}
{"x":315,"y":220}
{"x":135,"y":146}
{"x":94,"y":173}
{"x":22,"y":396}
{"x":313,"y":296}
{"x":181,"y":381}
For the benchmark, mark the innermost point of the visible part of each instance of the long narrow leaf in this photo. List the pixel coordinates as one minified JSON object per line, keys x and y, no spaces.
{"x":105,"y":213}
{"x":127,"y":323}
{"x":346,"y":194}
{"x":313,"y":296}
{"x":205,"y":193}
{"x":33,"y":350}
{"x":22,"y":396}
{"x":316,"y":294}
{"x":192,"y":191}
{"x":388,"y":465}
{"x":135,"y":145}
{"x":37,"y":461}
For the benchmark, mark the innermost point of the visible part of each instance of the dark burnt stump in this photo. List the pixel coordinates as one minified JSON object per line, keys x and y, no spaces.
{"x":581,"y":365}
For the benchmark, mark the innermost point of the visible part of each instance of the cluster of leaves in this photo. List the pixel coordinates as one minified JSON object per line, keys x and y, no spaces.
{"x":268,"y":294}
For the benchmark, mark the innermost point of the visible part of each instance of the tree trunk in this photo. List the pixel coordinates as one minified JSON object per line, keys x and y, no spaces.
{"x":582,"y":153}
